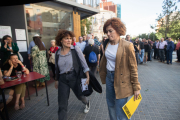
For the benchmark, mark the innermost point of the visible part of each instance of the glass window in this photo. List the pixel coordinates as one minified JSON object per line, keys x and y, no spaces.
{"x":46,"y":22}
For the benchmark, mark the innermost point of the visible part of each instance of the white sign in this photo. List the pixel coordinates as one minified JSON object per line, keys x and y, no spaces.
{"x":22,"y":46}
{"x":5,"y":30}
{"x":20,"y":34}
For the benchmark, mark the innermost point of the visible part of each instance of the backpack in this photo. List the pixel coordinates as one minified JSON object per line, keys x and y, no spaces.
{"x":92,"y":57}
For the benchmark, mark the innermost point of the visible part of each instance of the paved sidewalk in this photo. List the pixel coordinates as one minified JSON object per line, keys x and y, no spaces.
{"x":160,"y":98}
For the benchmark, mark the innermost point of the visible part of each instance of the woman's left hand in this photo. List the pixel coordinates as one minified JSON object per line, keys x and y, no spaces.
{"x":87,"y":81}
{"x":136,"y":94}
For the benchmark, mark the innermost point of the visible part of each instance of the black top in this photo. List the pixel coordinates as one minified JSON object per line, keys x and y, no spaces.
{"x":146,"y":47}
{"x":141,"y":45}
{"x":87,"y":51}
{"x":136,"y":50}
{"x":7,"y":67}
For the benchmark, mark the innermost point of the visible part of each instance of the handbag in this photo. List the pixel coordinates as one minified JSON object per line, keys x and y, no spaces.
{"x":81,"y":75}
{"x":52,"y":58}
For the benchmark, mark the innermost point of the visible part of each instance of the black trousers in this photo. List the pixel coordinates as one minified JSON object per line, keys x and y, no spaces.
{"x":161,"y":55}
{"x":53,"y":68}
{"x":178,"y":55}
{"x":155,"y":53}
{"x":67,"y":81}
{"x":93,"y":69}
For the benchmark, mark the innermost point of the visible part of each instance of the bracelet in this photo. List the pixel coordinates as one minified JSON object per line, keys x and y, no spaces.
{"x":22,"y":66}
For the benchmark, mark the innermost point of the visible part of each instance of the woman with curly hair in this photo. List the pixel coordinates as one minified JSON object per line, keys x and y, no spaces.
{"x":118,"y":69}
{"x":67,"y":69}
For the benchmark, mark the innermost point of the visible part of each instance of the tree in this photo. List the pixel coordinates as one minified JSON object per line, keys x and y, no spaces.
{"x":167,"y":17}
{"x":85,"y":26}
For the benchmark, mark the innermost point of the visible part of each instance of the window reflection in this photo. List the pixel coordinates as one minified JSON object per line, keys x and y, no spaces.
{"x":46,"y":22}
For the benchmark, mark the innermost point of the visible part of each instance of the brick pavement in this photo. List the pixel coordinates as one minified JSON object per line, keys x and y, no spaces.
{"x":160,"y":98}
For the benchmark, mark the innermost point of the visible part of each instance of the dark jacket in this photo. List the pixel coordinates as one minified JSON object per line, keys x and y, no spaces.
{"x":8,"y":53}
{"x":170,"y":46}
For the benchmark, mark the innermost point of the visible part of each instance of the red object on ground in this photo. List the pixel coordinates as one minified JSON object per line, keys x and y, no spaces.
{"x":30,"y":77}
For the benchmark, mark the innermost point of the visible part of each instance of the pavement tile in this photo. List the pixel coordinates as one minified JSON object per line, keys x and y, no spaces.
{"x":160,"y":98}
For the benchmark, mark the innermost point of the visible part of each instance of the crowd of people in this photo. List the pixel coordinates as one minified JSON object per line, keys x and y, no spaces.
{"x":111,"y":57}
{"x":161,"y":50}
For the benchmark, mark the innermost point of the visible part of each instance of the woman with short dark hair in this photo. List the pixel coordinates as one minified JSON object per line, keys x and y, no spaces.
{"x":8,"y":47}
{"x":40,"y":61}
{"x":10,"y":68}
{"x":118,"y":69}
{"x":67,"y":69}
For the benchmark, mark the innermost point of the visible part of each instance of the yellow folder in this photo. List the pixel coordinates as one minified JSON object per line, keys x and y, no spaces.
{"x":131,"y":106}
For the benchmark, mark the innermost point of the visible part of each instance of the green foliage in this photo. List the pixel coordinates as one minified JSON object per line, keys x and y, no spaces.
{"x":152,"y":36}
{"x":169,"y":20}
{"x":85,"y":24}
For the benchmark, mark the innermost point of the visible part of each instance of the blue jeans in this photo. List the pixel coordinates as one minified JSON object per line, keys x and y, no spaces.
{"x":169,"y":57}
{"x":141,"y":56}
{"x":151,"y":53}
{"x":114,"y":105}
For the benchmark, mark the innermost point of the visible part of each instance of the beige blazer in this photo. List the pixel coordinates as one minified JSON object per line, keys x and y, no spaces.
{"x":126,"y":72}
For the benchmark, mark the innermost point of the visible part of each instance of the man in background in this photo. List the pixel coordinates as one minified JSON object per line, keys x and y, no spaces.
{"x":151,"y":49}
{"x":92,"y":56}
{"x":141,"y":55}
{"x":178,"y":50}
{"x":81,"y":44}
{"x":155,"y":49}
{"x":170,"y":49}
{"x":89,"y":36}
{"x":161,"y":46}
{"x":128,"y":38}
{"x":84,"y":38}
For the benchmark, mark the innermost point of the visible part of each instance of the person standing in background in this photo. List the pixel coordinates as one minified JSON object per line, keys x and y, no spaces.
{"x":155,"y":49}
{"x":52,"y":51}
{"x":165,"y":47}
{"x":81,"y":44}
{"x":74,"y":41}
{"x":8,"y":48}
{"x":161,"y":46}
{"x":147,"y":49}
{"x":40,"y":61}
{"x":89,"y":36}
{"x":178,"y":50}
{"x":170,"y":49}
{"x":31,"y":45}
{"x":137,"y":48}
{"x":150,"y":50}
{"x":84,"y":38}
{"x":141,"y":55}
{"x":91,"y":52}
{"x":128,"y":38}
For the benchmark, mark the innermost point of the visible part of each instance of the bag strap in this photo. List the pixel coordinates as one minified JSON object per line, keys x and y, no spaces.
{"x":56,"y":64}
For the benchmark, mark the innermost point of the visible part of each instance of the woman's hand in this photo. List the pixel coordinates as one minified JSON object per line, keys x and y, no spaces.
{"x":56,"y":85}
{"x":136,"y":94}
{"x":18,"y":61}
{"x":10,"y":63}
{"x":87,"y":81}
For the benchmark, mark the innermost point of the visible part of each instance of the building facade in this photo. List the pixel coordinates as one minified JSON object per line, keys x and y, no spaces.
{"x":45,"y":19}
{"x":99,"y":20}
{"x":119,"y":11}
